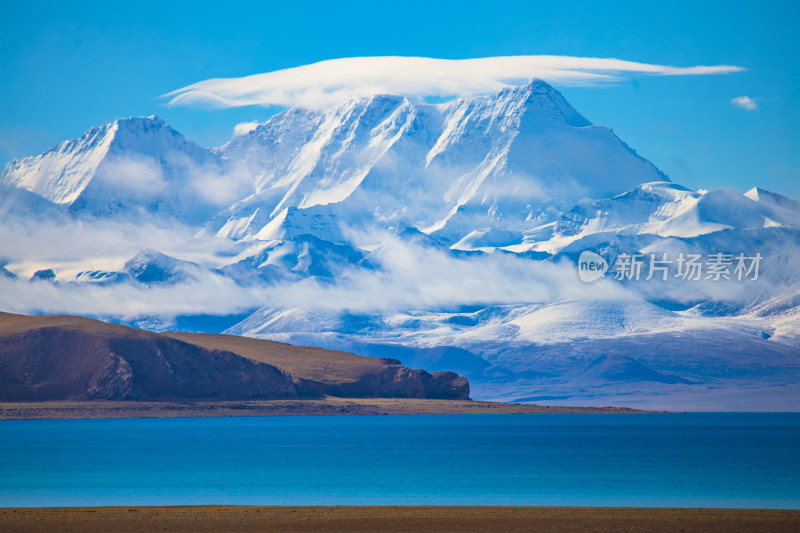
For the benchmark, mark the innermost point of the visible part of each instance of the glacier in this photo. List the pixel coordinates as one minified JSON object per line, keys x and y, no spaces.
{"x":443,"y":235}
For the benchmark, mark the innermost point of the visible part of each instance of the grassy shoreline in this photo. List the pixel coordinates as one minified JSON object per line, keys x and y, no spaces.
{"x":327,"y":406}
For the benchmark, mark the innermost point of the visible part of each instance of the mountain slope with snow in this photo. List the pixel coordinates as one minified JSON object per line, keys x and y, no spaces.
{"x":391,"y":163}
{"x":128,"y":167}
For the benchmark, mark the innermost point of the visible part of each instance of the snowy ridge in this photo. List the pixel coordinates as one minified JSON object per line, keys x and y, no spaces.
{"x":62,"y":173}
{"x":389,"y":162}
{"x":126,"y":167}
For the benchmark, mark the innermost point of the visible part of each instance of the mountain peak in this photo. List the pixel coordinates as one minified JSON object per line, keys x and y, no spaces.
{"x":131,"y":121}
{"x":764,"y":196}
{"x":107,"y":165}
{"x":142,"y":126}
{"x":540,"y":86}
{"x":543,"y":100}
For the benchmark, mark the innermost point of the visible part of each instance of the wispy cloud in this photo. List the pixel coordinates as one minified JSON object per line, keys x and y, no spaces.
{"x":327,"y":83}
{"x":414,"y":277}
{"x":71,"y":247}
{"x":745,"y":102}
{"x":243,"y":128}
{"x":135,"y":175}
{"x":400,"y":278}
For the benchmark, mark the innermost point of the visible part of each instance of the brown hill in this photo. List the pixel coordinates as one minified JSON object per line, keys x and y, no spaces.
{"x":75,"y":358}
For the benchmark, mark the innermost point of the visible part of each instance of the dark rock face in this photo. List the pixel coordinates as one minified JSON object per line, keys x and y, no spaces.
{"x":44,"y":275}
{"x":447,"y":385}
{"x":396,"y":381}
{"x":57,"y":363}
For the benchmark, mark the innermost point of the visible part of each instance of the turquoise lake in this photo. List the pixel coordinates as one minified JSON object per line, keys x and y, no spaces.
{"x":689,"y":460}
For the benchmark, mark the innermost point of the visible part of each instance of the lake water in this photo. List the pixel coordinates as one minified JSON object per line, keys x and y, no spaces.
{"x":695,"y":460}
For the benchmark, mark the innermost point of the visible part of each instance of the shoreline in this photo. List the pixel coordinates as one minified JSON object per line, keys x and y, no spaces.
{"x":323,"y":407}
{"x":390,"y":519}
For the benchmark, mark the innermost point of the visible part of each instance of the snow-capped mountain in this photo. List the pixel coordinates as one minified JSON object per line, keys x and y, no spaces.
{"x":127,"y":167}
{"x":446,"y":169}
{"x":444,"y":235}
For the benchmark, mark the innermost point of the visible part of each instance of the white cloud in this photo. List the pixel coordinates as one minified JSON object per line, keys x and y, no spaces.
{"x":138,"y":175}
{"x":128,"y":301}
{"x":222,"y":188}
{"x":745,"y":102}
{"x":414,"y":277}
{"x":107,"y":245}
{"x":330,"y":82}
{"x":409,"y":277}
{"x":213,"y":184}
{"x":243,"y":128}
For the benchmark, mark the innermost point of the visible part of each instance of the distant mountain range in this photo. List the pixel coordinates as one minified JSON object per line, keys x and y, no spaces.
{"x":446,"y":236}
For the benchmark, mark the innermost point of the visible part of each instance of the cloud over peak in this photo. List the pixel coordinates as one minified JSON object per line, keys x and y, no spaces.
{"x":327,"y":83}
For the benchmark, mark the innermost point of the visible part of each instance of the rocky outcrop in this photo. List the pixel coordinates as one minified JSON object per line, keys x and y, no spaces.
{"x":397,"y":381}
{"x":447,"y":385}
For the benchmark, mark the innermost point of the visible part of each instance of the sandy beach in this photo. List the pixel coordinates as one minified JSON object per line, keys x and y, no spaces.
{"x":396,"y":519}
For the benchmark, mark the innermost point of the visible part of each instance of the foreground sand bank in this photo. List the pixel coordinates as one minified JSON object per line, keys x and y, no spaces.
{"x":396,"y":519}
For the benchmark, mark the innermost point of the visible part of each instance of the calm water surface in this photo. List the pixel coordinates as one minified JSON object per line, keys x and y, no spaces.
{"x":697,"y":460}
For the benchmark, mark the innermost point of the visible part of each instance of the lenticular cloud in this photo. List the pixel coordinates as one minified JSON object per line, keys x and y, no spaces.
{"x":328,"y":83}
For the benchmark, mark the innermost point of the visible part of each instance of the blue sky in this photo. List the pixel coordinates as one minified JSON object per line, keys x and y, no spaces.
{"x":65,"y":67}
